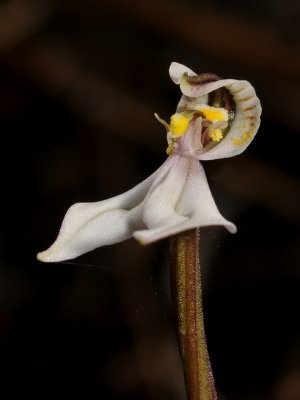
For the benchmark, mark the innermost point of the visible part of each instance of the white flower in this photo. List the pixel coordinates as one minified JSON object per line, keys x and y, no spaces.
{"x":176,"y":197}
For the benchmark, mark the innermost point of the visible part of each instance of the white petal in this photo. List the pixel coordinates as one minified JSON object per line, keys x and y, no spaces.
{"x":198,"y":90}
{"x":160,"y":203}
{"x":197,"y":201}
{"x":177,"y":70}
{"x":244,"y":126}
{"x":185,"y":195}
{"x":87,"y":226}
{"x":247,"y":115}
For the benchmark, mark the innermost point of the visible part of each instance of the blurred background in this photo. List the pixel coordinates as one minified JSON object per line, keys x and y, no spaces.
{"x":79,"y":83}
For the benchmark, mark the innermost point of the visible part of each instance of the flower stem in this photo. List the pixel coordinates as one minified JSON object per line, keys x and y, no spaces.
{"x":186,"y":293}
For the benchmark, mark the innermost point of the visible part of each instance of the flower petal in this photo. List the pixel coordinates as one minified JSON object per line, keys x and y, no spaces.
{"x":243,"y":128}
{"x":197,"y":201}
{"x":87,"y":226}
{"x":177,"y":70}
{"x":185,"y":194}
{"x":246,"y":121}
{"x":247,"y":114}
{"x":165,"y":192}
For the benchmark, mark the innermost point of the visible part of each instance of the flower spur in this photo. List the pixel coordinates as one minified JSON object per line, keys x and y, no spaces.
{"x":215,"y":118}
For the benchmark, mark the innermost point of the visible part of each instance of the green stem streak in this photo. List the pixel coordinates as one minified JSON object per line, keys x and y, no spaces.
{"x":186,"y":293}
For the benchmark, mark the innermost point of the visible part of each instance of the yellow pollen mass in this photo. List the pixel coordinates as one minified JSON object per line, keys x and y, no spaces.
{"x":216,"y":135}
{"x":170,"y":148}
{"x":214,"y":113}
{"x":178,"y":124}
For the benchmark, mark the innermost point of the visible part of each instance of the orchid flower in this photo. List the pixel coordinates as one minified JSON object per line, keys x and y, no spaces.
{"x":215,"y":118}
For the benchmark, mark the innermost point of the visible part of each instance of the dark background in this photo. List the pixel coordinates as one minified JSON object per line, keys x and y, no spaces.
{"x":79,"y":83}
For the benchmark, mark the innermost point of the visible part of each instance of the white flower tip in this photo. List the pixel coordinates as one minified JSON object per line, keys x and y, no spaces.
{"x":53,"y":254}
{"x":176,"y":70}
{"x":231,"y":227}
{"x":43,"y":256}
{"x":47,"y":256}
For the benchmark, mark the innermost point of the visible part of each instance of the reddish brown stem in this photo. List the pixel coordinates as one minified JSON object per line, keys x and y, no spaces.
{"x":186,"y":293}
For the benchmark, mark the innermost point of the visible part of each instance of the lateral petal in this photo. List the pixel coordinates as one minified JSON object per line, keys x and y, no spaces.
{"x":87,"y":226}
{"x":165,"y":192}
{"x":186,"y":195}
{"x":197,"y":201}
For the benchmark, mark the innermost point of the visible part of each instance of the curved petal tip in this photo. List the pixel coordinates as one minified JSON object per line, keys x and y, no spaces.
{"x":53,"y":254}
{"x":44,"y":257}
{"x":176,"y":70}
{"x":230,"y":227}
